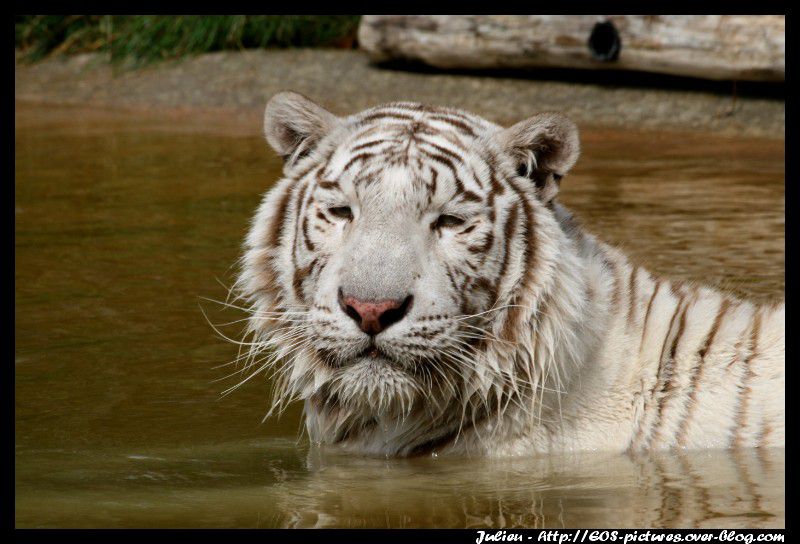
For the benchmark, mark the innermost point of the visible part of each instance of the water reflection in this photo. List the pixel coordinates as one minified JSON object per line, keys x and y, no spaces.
{"x":278,"y":484}
{"x":123,"y":221}
{"x":698,"y":489}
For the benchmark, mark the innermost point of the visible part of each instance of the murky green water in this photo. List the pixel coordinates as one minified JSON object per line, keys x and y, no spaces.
{"x":122,"y":222}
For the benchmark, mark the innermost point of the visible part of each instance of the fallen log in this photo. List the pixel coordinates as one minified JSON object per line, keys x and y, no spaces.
{"x":722,"y":47}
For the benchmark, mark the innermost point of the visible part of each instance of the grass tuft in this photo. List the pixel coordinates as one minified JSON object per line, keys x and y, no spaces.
{"x":148,"y":38}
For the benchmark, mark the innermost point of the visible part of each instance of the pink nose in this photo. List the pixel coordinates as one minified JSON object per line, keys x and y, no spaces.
{"x":374,"y":317}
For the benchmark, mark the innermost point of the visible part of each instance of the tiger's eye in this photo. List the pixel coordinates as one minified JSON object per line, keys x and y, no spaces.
{"x":447,"y":222}
{"x":342,"y":212}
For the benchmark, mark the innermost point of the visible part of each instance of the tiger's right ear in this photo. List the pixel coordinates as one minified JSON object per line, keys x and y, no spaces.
{"x":293,"y":125}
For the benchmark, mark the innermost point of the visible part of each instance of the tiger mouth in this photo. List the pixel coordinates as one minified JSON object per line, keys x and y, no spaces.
{"x":371,"y":353}
{"x":374,"y":355}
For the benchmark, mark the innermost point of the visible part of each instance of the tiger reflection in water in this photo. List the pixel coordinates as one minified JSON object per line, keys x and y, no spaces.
{"x":700,"y":489}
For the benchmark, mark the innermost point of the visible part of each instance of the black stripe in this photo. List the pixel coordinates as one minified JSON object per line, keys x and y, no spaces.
{"x":359,"y":157}
{"x":632,"y":293}
{"x":276,"y":231}
{"x":745,"y":390}
{"x":328,"y":185}
{"x":309,"y":243}
{"x":443,"y":150}
{"x":471,"y":196}
{"x":663,"y":369}
{"x":321,"y":216}
{"x":669,"y":370}
{"x":647,"y":313}
{"x":385,"y":115}
{"x":460,"y":125}
{"x":508,"y":233}
{"x":696,"y":373}
{"x":372,"y":143}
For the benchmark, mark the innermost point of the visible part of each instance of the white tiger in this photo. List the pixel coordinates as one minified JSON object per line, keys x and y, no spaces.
{"x":413,"y":279}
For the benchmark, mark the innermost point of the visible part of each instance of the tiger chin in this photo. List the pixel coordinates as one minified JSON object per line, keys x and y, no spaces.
{"x":413,"y":279}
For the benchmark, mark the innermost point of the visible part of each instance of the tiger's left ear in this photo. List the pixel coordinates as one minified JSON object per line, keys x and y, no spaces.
{"x":546,"y":146}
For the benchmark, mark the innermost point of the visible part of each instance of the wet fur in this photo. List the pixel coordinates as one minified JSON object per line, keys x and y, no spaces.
{"x":528,"y":334}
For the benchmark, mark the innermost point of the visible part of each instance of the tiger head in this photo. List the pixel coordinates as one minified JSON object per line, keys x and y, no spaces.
{"x":394,"y":273}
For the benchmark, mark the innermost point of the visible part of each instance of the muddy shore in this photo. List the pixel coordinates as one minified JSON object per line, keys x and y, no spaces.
{"x":230,"y":88}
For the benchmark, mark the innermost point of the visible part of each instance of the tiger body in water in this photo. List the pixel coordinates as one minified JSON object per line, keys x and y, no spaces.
{"x":414,"y":280}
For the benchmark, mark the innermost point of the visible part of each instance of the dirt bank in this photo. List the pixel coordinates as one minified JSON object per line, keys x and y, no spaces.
{"x":238,"y":84}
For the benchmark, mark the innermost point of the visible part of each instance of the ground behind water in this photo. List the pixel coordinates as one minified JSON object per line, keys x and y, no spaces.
{"x":238,"y":84}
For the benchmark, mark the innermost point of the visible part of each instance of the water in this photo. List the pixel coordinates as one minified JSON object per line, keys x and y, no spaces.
{"x":122,"y":221}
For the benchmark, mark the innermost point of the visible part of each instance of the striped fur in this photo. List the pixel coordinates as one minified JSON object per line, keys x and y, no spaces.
{"x":527,"y":334}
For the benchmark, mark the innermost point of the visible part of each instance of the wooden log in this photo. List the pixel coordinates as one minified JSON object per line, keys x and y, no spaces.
{"x":723,"y":47}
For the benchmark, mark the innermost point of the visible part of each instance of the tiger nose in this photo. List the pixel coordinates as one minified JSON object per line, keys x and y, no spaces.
{"x":373,"y":317}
